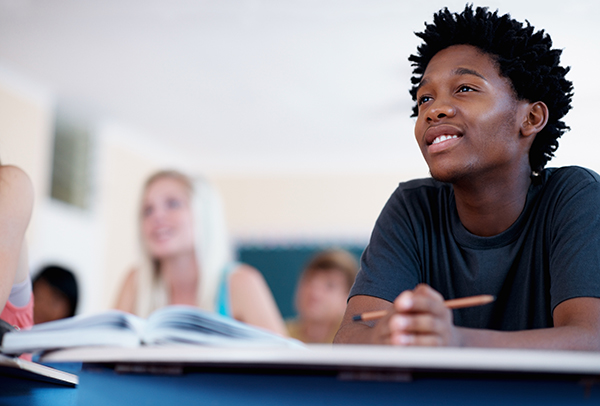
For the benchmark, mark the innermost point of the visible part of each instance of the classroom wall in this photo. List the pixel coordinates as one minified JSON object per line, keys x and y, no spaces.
{"x":122,"y":177}
{"x":304,"y":207}
{"x":100,"y":243}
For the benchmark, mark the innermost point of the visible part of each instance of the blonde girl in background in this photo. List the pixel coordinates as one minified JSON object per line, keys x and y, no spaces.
{"x":187,"y":258}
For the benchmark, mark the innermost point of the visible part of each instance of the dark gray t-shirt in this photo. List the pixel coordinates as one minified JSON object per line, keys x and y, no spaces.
{"x":550,"y":254}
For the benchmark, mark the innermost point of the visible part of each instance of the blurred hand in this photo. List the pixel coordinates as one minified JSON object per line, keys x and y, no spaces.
{"x":417,"y":317}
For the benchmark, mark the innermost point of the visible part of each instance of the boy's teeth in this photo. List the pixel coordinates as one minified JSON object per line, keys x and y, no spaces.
{"x":443,"y":138}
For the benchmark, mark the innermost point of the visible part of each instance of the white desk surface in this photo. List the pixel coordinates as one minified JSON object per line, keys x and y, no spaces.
{"x":345,"y":356}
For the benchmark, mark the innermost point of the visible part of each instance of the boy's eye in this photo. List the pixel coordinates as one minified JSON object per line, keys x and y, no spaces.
{"x":465,"y":88}
{"x":147,"y":211}
{"x":423,"y":99}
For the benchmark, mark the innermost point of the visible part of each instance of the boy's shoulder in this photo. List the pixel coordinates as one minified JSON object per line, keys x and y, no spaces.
{"x":568,"y":176}
{"x":423,"y":187}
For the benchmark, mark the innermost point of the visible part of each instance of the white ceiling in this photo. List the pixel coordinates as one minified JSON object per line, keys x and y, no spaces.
{"x":262,"y":85}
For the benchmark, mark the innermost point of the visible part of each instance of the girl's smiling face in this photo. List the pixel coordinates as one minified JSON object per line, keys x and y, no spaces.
{"x":167,"y":221}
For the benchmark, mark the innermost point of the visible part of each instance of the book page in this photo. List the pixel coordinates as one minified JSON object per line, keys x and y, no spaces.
{"x":190,"y":325}
{"x":114,"y":328}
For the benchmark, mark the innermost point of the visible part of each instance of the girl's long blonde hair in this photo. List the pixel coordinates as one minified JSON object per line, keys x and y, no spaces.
{"x":211,"y":243}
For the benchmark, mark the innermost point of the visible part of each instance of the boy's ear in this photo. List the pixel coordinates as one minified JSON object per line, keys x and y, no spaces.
{"x":535,"y":120}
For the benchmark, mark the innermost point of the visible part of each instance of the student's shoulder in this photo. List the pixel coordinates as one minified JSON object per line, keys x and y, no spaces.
{"x":128,"y":293}
{"x":15,"y":178}
{"x":244,"y":275}
{"x":420,"y":183}
{"x":132,"y":275}
{"x":570,"y":177}
{"x":16,"y":191}
{"x":423,"y":188}
{"x":12,"y":171}
{"x":569,"y":182}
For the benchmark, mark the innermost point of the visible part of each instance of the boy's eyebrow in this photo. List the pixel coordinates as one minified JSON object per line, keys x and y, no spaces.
{"x":467,"y":71}
{"x":456,"y":72}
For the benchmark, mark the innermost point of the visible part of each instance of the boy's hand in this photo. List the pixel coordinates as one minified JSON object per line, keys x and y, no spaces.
{"x":419,"y":317}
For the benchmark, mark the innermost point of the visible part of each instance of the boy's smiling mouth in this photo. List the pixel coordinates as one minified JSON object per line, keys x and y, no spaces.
{"x":440,"y":136}
{"x":443,"y":138}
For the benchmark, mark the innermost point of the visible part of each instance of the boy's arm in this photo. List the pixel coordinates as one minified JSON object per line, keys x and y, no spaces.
{"x":419,"y":317}
{"x":363,"y":332}
{"x":576,"y":327}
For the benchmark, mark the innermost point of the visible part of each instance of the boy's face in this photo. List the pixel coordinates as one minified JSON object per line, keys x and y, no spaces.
{"x":469,"y":118}
{"x":322,"y":296}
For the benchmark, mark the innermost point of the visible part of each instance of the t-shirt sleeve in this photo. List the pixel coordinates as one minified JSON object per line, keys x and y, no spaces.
{"x":389,"y":264}
{"x":575,"y":238}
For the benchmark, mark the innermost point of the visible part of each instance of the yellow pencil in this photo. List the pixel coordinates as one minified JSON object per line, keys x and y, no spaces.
{"x":451,"y":304}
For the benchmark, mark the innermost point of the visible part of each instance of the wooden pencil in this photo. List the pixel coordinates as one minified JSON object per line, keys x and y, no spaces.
{"x":451,"y":304}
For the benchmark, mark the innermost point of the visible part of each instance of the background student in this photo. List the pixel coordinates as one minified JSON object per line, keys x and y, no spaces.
{"x":321,"y":296}
{"x":56,"y":294}
{"x":187,"y":259}
{"x":16,"y":205}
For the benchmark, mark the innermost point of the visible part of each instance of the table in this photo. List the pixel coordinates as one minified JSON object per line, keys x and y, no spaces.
{"x":322,"y":375}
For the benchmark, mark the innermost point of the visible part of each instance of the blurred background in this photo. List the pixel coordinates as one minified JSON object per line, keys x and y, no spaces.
{"x":297,"y":111}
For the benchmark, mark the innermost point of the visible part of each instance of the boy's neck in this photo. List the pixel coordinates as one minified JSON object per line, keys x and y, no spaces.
{"x":490,"y":206}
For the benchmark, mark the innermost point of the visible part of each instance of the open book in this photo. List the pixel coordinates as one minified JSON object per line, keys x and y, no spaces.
{"x":168,"y":325}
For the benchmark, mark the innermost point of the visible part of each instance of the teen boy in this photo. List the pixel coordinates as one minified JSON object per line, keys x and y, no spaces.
{"x":490,"y":95}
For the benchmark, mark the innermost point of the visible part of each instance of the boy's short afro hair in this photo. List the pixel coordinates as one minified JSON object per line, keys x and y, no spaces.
{"x":523,"y":56}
